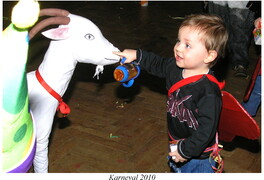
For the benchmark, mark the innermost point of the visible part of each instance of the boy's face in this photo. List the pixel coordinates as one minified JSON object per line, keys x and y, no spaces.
{"x":190,"y":51}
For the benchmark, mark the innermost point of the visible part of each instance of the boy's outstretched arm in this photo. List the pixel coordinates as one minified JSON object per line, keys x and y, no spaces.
{"x":129,"y":54}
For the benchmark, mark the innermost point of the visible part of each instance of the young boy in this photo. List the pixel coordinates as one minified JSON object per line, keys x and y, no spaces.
{"x":193,"y":110}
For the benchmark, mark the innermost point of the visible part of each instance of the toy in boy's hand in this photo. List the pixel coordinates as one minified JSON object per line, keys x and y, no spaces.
{"x":126,"y":73}
{"x":173,"y":148}
{"x":257,"y":34}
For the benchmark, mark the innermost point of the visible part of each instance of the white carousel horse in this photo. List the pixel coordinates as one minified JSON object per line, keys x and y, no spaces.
{"x":77,"y":40}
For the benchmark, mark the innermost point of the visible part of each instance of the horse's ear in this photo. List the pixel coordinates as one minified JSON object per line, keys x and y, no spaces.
{"x":58,"y":16}
{"x":57,"y":33}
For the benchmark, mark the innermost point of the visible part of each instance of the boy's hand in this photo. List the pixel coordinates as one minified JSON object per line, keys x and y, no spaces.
{"x":178,"y":157}
{"x":129,"y":54}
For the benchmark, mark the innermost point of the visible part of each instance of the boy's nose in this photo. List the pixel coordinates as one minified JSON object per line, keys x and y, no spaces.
{"x":177,"y":47}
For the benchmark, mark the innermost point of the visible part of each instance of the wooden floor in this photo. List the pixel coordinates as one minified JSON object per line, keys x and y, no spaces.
{"x":117,"y":129}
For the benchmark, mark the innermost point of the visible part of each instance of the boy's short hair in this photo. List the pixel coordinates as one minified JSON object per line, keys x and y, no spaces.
{"x":213,"y":29}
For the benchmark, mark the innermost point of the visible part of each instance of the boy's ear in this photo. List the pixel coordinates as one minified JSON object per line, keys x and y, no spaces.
{"x":212,"y":54}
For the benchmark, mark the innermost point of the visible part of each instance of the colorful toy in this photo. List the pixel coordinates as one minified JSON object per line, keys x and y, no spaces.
{"x":18,"y":130}
{"x":126,"y":73}
{"x":77,"y":40}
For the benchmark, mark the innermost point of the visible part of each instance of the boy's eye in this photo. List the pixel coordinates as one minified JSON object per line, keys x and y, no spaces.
{"x":177,"y":41}
{"x":188,"y":46}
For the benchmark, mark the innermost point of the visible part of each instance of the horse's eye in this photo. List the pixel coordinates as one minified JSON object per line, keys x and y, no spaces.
{"x":89,"y":36}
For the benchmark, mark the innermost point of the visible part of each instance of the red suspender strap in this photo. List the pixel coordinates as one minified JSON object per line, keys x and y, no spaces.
{"x":194,"y":79}
{"x":63,"y":107}
{"x":221,"y":85}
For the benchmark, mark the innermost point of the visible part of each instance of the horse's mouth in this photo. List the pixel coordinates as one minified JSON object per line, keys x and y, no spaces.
{"x":109,"y":59}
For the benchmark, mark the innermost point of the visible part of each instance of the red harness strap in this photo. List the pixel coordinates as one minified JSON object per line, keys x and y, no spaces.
{"x":193,"y":79}
{"x":216,"y":148}
{"x":62,"y":107}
